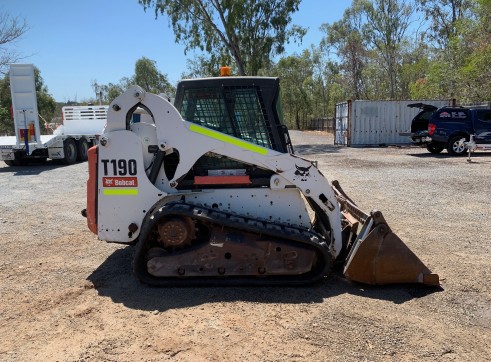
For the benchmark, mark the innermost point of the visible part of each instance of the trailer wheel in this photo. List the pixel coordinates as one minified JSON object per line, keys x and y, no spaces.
{"x":19,"y":159}
{"x":82,"y":150}
{"x":70,"y":149}
{"x":9,"y":162}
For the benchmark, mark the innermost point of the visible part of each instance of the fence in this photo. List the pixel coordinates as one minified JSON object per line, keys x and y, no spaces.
{"x":322,"y":124}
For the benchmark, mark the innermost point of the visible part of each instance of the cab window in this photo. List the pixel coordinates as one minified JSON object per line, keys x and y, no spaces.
{"x":236,"y":111}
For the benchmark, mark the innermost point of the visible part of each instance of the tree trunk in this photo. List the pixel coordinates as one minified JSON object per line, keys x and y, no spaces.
{"x":297,"y":120}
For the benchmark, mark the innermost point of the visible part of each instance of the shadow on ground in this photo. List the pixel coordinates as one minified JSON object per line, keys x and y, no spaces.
{"x":114,"y":279}
{"x":479,"y":157}
{"x":32,"y":168}
{"x":316,"y":149}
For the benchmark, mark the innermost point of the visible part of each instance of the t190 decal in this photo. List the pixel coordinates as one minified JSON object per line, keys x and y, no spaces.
{"x":120,"y":167}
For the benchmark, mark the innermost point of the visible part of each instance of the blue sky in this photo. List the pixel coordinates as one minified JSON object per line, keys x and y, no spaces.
{"x":75,"y":42}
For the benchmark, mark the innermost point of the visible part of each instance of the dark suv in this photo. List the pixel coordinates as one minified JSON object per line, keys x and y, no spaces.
{"x":450,"y":127}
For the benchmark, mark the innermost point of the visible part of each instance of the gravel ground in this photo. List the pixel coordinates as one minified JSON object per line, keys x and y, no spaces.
{"x":64,"y":296}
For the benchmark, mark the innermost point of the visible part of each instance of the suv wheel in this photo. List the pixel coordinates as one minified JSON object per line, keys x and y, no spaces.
{"x":434,"y":148}
{"x":456,"y":146}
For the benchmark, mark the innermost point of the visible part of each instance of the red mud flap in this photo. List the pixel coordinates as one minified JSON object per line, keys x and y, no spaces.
{"x":91,"y":211}
{"x":378,"y":256}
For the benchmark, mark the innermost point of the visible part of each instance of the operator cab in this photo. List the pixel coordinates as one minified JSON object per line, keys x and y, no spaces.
{"x":248,"y":108}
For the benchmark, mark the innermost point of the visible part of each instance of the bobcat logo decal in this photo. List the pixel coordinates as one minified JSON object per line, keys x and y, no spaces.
{"x":303,"y":172}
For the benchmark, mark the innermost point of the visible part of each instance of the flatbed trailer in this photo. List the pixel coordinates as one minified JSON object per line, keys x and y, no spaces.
{"x":67,"y":148}
{"x":69,"y":143}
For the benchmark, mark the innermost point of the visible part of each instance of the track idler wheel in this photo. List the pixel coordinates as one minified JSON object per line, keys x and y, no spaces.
{"x":176,"y":232}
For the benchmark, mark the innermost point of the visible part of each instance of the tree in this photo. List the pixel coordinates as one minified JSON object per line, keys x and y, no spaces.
{"x":475,"y":40}
{"x":415,"y":64}
{"x":444,"y":17}
{"x":459,"y":65}
{"x":387,"y":24}
{"x":251,"y":32}
{"x":148,"y":76}
{"x":203,"y":66}
{"x":46,"y":103}
{"x":11,"y":29}
{"x":295,"y":73}
{"x":369,"y":41}
{"x":346,"y":39}
{"x":106,"y":93}
{"x":326,"y":91}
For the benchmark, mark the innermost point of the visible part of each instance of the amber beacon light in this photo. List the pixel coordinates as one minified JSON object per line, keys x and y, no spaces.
{"x":224,"y":71}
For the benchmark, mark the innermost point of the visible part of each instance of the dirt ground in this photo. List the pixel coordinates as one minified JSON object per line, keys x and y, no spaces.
{"x":65,"y":296}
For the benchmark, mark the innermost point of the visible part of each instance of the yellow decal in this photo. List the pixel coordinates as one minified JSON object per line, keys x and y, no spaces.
{"x":120,"y":192}
{"x":228,"y":139}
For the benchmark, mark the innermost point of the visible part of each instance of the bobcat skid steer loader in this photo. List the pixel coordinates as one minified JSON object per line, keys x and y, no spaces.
{"x":211,"y":193}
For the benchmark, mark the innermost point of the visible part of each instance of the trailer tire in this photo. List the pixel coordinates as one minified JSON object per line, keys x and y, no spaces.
{"x":82,"y":150}
{"x":70,"y":150}
{"x":19,"y":159}
{"x":9,"y":162}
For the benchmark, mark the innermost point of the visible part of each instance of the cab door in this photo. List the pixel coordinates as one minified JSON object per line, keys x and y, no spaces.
{"x":482,"y":126}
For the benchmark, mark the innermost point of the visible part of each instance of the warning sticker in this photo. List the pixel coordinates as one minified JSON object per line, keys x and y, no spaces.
{"x":119,"y":181}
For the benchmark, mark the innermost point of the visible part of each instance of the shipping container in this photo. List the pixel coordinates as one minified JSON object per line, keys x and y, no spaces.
{"x":376,"y":123}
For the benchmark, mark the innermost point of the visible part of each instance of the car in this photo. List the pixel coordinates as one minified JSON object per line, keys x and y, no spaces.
{"x":452,"y":127}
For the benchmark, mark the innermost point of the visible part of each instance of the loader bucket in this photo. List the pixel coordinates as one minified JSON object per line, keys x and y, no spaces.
{"x":377,"y":255}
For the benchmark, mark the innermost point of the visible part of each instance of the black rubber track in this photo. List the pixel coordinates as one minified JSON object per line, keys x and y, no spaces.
{"x":245,"y":224}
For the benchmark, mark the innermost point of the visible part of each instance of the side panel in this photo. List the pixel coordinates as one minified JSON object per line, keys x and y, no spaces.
{"x":80,"y":120}
{"x":7,"y":144}
{"x":284,"y":206}
{"x":6,"y":154}
{"x":56,"y":153}
{"x":124,"y":193}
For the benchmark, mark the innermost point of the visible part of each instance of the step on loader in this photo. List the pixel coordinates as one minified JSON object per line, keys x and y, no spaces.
{"x":210,"y":191}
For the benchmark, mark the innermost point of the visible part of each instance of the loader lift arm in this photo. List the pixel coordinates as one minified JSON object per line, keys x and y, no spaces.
{"x":186,"y":242}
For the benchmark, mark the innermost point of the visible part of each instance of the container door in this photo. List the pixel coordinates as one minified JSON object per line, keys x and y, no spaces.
{"x":341,"y":124}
